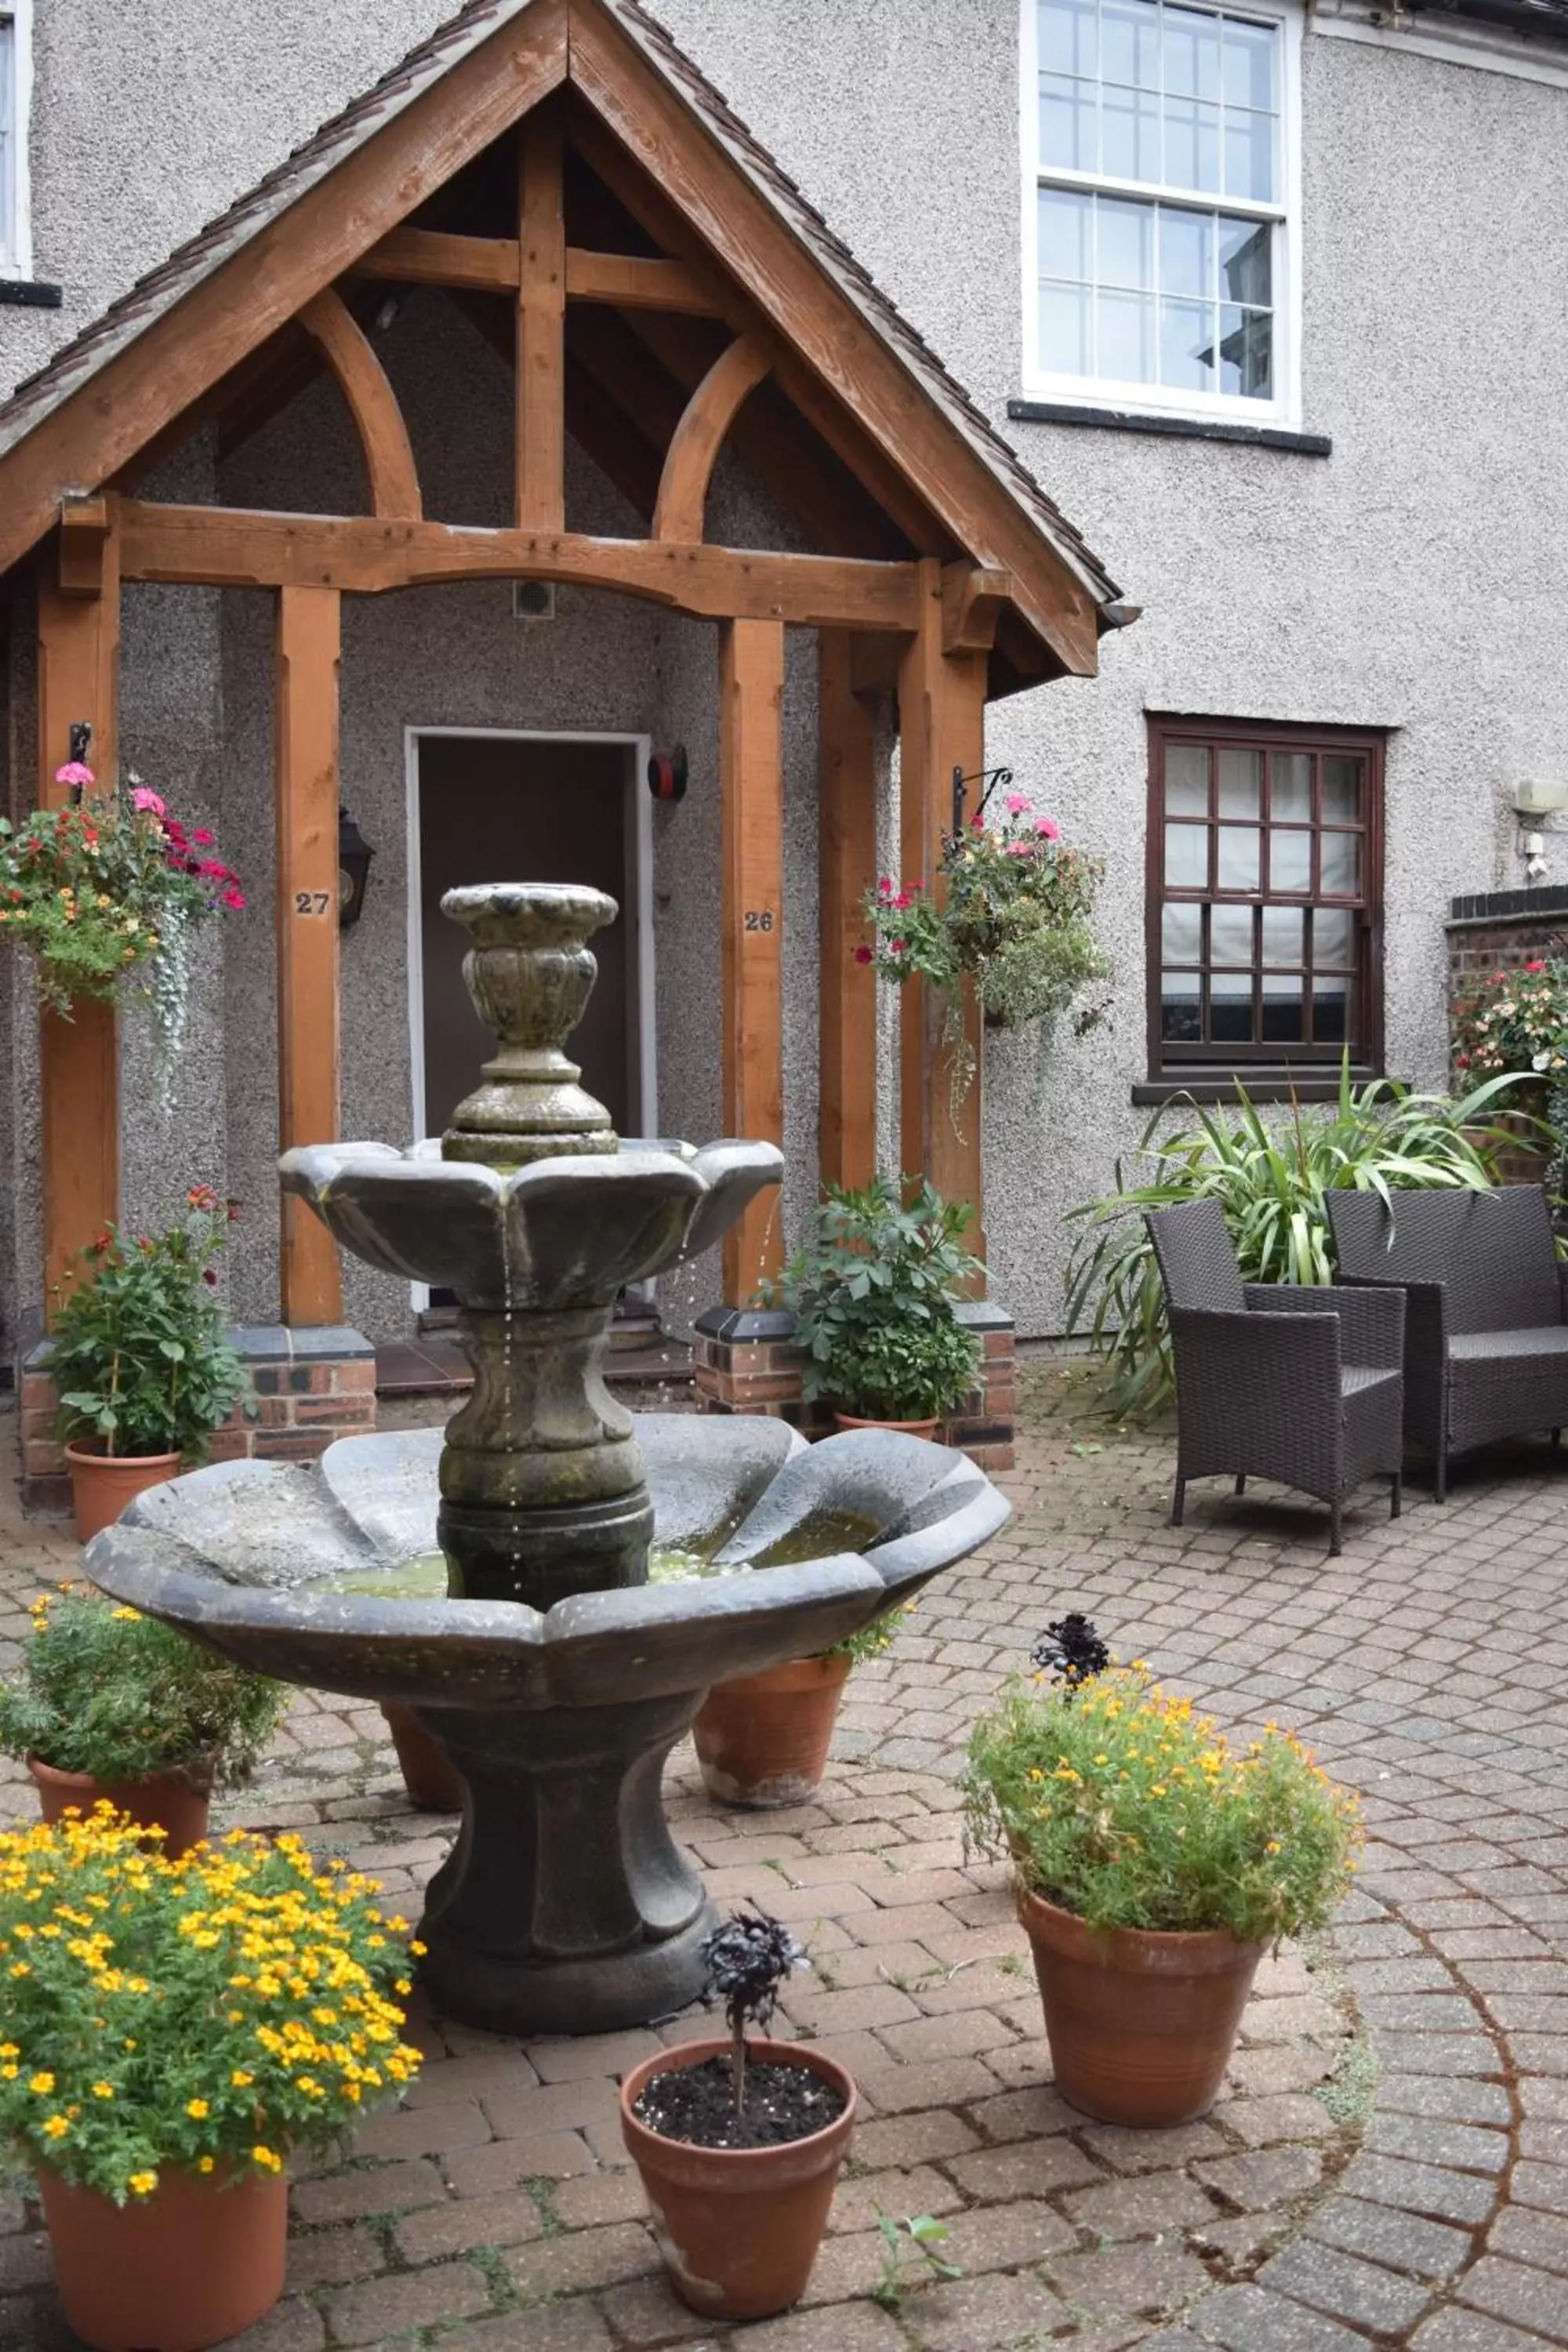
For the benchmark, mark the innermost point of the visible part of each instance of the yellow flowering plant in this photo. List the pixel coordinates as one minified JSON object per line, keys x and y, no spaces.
{"x":1114,"y":1800}
{"x":205,"y":2015}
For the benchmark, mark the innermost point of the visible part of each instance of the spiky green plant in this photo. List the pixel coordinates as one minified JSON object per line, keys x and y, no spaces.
{"x":1271,"y":1180}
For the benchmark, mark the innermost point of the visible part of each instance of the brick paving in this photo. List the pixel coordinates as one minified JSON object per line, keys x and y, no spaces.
{"x":1388,"y":2166}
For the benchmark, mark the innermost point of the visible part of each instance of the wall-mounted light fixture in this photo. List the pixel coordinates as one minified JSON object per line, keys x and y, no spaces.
{"x":354,"y":855}
{"x":1537,"y":800}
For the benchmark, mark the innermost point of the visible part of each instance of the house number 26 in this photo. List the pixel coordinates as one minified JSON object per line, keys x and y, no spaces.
{"x":312,"y":902}
{"x":758,"y":919}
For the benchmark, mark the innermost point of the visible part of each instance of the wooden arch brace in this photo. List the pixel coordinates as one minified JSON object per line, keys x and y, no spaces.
{"x":699,"y":437}
{"x":383,"y":435}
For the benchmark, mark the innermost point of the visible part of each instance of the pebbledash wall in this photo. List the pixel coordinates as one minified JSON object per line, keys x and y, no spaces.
{"x":1415,"y":580}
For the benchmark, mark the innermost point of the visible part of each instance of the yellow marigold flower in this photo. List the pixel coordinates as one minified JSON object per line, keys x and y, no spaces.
{"x":203,"y":2163}
{"x":199,"y":2108}
{"x":265,"y":2157}
{"x":1272,"y":1847}
{"x":1158,"y":1790}
{"x":42,"y":2084}
{"x":127,"y":1616}
{"x":240,"y":2079}
{"x":104,"y":2090}
{"x":141,"y":2184}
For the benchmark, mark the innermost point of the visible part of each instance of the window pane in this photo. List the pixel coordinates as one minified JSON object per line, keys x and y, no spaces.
{"x":1131,"y":149}
{"x":1334,"y":938}
{"x":1290,"y":785}
{"x":1064,"y":329}
{"x":1246,"y":255}
{"x":1331,"y":1011}
{"x":1180,"y":1008}
{"x":1065,"y":220}
{"x":1342,"y":790}
{"x":1129,"y":43}
{"x":1192,"y":143}
{"x":1342,"y":865}
{"x":1126,"y":328}
{"x":1126,"y":248}
{"x":1289,"y":861}
{"x":1230,"y":935}
{"x":1240,"y":781}
{"x":1249,"y":52}
{"x":1182,"y":934}
{"x":1283,"y":929}
{"x":1186,"y":857}
{"x":1248,"y":154}
{"x":1192,"y":53}
{"x":1186,"y":345}
{"x":1067,"y":122}
{"x":1186,"y":252}
{"x":1230,"y":1008}
{"x":1245,"y":352}
{"x":1187,"y":780}
{"x":1238,"y":857}
{"x":1067,"y":37}
{"x":1284,"y":1012}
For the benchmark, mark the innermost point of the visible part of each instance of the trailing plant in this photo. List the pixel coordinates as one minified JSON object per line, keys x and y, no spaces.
{"x":110,"y":894}
{"x":110,"y":1692}
{"x":1114,"y":1801}
{"x":872,"y":1640}
{"x":873,"y":1298}
{"x":138,"y":1353}
{"x":747,"y":1960}
{"x":1271,"y":1180}
{"x":209,"y":2014}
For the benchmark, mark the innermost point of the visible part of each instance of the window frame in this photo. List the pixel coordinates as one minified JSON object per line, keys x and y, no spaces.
{"x":16,"y":250}
{"x":1283,"y":411}
{"x":1272,"y":1063}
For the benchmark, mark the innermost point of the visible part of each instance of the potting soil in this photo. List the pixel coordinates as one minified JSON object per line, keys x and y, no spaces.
{"x":697,"y":2104}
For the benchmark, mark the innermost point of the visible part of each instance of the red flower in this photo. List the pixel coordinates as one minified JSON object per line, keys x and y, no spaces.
{"x":202,"y":838}
{"x":977,"y":820}
{"x":235,"y":898}
{"x":884,"y":888}
{"x":1535,"y":966}
{"x":902,"y":900}
{"x":202,"y":1196}
{"x":231,"y":1210}
{"x":897,"y":946}
{"x":863,"y":955}
{"x":209,"y":1277}
{"x":97,"y":1248}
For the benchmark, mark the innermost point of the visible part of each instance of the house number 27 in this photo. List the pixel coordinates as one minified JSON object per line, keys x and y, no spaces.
{"x":312,"y":902}
{"x":758,"y":919}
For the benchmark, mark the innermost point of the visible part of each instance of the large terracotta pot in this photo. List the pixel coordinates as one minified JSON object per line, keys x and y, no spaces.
{"x":102,"y":1484}
{"x":1140,"y":2025}
{"x":910,"y":1428}
{"x":763,"y":1740}
{"x":738,"y":2227}
{"x":177,"y":1803}
{"x":433,"y":1781}
{"x":187,"y":2267}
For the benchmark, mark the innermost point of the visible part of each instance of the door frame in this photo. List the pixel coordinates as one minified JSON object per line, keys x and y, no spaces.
{"x":636,"y":900}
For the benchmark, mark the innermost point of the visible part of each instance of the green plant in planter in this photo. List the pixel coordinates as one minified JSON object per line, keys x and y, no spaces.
{"x":873,"y":1297}
{"x":138,"y":1353}
{"x":108,"y":1692}
{"x":874,"y":1639}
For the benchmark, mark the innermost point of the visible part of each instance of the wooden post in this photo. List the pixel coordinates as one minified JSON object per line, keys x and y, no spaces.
{"x":306,"y":748}
{"x":846,"y":852}
{"x":750,"y":692}
{"x":78,"y":658}
{"x":541,"y":333}
{"x":942,"y":726}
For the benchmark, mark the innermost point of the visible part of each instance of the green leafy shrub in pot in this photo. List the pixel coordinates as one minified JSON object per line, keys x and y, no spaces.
{"x":873,"y":1298}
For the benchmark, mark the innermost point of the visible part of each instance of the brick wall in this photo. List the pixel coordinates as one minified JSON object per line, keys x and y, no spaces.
{"x":1500,"y":931}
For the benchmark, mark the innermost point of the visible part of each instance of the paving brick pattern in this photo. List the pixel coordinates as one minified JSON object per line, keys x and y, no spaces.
{"x":1388,"y":2166}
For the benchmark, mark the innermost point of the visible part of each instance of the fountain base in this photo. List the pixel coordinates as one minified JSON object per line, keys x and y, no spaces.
{"x":565,"y":1905}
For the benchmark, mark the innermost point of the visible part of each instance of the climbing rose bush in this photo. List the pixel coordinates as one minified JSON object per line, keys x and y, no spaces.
{"x":1515,"y":1021}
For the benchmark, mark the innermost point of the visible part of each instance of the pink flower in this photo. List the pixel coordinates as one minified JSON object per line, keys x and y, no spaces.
{"x":202,"y":838}
{"x":235,"y":898}
{"x":1020,"y":849}
{"x":896,"y":946}
{"x":1016,"y":803}
{"x":863,"y":955}
{"x":884,"y":888}
{"x":74,"y":774}
{"x":1535,"y":966}
{"x":1047,"y":828}
{"x":977,"y":820}
{"x":902,"y":900}
{"x":146,"y":803}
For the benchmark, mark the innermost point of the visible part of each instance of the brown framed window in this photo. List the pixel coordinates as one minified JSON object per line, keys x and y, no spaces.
{"x":1265,"y":899}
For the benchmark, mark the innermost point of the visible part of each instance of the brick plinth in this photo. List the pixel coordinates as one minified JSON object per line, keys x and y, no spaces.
{"x":309,"y":1387}
{"x":745,"y":1359}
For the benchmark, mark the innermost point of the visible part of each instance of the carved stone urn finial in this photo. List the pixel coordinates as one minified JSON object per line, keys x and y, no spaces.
{"x":529,"y":974}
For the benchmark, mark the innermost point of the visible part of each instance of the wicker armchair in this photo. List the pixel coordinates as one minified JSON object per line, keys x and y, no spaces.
{"x":1274,"y":1381}
{"x":1486,"y":1338}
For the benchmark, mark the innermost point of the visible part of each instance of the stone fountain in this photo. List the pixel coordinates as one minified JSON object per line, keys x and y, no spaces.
{"x":553,"y":1585}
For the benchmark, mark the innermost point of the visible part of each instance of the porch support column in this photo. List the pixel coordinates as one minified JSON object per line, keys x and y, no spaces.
{"x":750,"y":692}
{"x":306,"y":745}
{"x":78,"y":660}
{"x":847,"y":845}
{"x":942,"y":726}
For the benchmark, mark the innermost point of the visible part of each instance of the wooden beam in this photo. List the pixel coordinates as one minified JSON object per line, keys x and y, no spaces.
{"x":751,"y":762}
{"x":378,"y":420}
{"x":541,"y":500}
{"x":846,"y":856}
{"x":237,"y":548}
{"x":309,"y":243}
{"x":307,"y":740}
{"x":973,"y":600}
{"x":78,"y":660}
{"x":699,"y":438}
{"x":85,"y":528}
{"x":428,"y":257}
{"x":942,"y":726}
{"x":634,"y":281}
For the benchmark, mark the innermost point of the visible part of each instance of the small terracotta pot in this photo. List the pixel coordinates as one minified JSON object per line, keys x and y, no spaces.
{"x":102,"y":1484}
{"x":1141,"y":2025}
{"x":738,"y":2227}
{"x":187,"y":2267}
{"x":176,"y":1802}
{"x":433,"y":1781}
{"x":910,"y":1428}
{"x":763,"y":1740}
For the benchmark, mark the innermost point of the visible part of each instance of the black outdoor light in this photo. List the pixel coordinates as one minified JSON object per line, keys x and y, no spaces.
{"x":354,"y":853}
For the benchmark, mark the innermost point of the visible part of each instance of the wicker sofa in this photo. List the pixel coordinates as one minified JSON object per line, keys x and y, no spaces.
{"x":1276,"y":1380}
{"x":1486,"y":1338}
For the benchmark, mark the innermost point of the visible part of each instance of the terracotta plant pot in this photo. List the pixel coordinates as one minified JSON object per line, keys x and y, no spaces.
{"x":175,"y":1801}
{"x":910,"y":1428}
{"x":1140,"y":2025}
{"x":763,"y":1740}
{"x":102,"y":1484}
{"x":189,"y":2266}
{"x":433,"y":1781}
{"x":738,"y":2227}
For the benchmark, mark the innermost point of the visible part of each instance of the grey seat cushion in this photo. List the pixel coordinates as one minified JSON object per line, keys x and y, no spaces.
{"x":1549,"y":1339}
{"x":1356,"y":1377}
